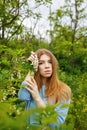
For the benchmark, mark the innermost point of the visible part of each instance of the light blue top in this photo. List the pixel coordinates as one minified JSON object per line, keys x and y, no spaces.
{"x":24,"y":95}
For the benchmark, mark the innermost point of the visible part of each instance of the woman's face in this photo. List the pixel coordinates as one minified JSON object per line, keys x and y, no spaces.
{"x":45,"y":66}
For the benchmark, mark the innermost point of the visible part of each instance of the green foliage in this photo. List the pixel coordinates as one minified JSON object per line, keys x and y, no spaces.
{"x":13,"y":71}
{"x":9,"y":18}
{"x":71,"y":61}
{"x":9,"y":119}
{"x":78,"y":109}
{"x":68,"y":38}
{"x":12,"y":115}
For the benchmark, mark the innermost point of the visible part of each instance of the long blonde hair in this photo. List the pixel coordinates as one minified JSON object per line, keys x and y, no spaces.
{"x":55,"y":89}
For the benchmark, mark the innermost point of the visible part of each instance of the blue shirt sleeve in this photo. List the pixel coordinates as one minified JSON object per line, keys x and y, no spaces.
{"x":62,"y":112}
{"x":24,"y":94}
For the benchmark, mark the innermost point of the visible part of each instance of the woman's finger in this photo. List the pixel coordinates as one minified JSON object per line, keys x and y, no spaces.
{"x":29,"y":89}
{"x":30,"y":84}
{"x":33,"y":80}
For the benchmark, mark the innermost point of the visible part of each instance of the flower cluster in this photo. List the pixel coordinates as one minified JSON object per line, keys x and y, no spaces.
{"x":33,"y":67}
{"x":35,"y":63}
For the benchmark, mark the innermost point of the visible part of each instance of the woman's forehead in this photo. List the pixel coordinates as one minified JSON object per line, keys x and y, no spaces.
{"x":44,"y":56}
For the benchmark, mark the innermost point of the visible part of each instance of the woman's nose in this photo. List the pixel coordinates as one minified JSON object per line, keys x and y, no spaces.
{"x":46,"y":64}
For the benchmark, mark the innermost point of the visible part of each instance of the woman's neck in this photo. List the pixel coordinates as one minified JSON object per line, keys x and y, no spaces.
{"x":44,"y":81}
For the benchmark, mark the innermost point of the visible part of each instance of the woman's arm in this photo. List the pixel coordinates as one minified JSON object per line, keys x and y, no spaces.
{"x":33,"y":89}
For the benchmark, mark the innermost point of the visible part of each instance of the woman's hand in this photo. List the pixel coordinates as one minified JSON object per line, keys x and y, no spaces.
{"x":32,"y":56}
{"x":33,"y":89}
{"x":28,"y":77}
{"x":34,"y":59}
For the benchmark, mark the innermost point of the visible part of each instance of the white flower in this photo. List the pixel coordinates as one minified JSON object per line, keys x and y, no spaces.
{"x":35,"y":63}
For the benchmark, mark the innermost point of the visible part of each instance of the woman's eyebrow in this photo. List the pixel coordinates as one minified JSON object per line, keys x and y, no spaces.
{"x":44,"y":60}
{"x":41,"y":60}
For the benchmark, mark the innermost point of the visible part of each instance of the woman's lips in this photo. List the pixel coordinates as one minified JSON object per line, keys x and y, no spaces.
{"x":47,"y":71}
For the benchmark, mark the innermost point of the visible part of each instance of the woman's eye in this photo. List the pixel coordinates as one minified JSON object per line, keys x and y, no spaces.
{"x":40,"y":63}
{"x":50,"y":62}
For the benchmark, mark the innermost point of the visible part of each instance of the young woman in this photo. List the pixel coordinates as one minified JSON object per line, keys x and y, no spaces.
{"x":45,"y":88}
